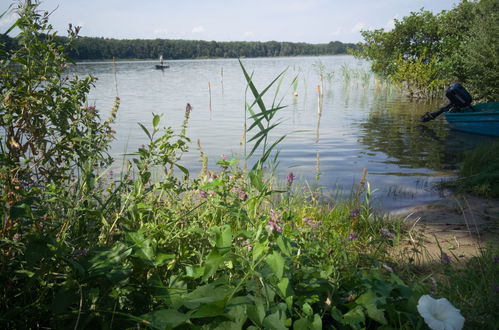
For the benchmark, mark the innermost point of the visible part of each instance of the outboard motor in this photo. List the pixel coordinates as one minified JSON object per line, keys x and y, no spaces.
{"x":458,"y":97}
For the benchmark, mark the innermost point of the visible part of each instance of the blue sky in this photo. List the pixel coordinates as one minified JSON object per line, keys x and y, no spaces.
{"x":313,"y":21}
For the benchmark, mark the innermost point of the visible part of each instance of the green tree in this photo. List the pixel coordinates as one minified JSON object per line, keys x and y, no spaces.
{"x":425,"y":51}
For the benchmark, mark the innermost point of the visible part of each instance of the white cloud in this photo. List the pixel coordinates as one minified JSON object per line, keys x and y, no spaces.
{"x":249,"y":34}
{"x":198,"y":29}
{"x":357,"y":27}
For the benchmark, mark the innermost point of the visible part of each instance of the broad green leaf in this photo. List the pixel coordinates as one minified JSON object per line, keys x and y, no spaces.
{"x":224,"y":239}
{"x":370,"y":301}
{"x":256,"y":312}
{"x":307,"y":309}
{"x":210,"y":309}
{"x":213,"y":260}
{"x":301,"y":324}
{"x":316,"y":323}
{"x":206,"y":294}
{"x":258,"y":249}
{"x":275,"y":321}
{"x":354,"y":317}
{"x":165,"y":318}
{"x":276,"y":263}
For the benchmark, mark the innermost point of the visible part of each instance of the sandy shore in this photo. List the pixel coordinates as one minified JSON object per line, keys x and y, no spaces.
{"x":457,"y":225}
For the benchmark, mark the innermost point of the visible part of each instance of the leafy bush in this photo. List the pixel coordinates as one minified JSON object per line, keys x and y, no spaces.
{"x":426,"y":51}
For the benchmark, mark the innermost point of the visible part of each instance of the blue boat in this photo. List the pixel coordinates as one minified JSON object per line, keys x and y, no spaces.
{"x":482,"y":118}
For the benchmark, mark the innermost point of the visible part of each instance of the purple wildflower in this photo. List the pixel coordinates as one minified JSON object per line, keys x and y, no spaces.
{"x":223,"y":156}
{"x":353,"y":236}
{"x":242,"y":195}
{"x":386,"y":233}
{"x":202,"y":193}
{"x":90,"y":107}
{"x":445,"y":259}
{"x":290,"y":178}
{"x":354,"y":213}
{"x":495,"y":260}
{"x":275,"y":221}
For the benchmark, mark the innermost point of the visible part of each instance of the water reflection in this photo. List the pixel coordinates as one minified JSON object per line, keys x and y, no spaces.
{"x":354,"y":122}
{"x":393,"y":129}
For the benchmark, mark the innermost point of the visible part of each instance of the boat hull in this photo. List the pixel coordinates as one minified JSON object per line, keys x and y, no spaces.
{"x":161,"y":67}
{"x":484,"y":120}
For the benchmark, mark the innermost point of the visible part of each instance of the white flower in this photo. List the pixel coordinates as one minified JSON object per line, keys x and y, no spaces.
{"x":439,"y":314}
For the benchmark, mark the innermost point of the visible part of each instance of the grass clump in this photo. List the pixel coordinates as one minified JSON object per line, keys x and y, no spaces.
{"x":479,"y":172}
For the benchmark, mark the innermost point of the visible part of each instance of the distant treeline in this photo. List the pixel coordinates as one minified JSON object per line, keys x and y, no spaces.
{"x":91,"y":48}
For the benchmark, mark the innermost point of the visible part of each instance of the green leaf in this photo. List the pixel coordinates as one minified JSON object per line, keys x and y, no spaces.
{"x":354,"y":317}
{"x":301,"y":324}
{"x":284,"y":247}
{"x":224,"y":239}
{"x":164,"y":319}
{"x":307,"y":309}
{"x":155,"y":120}
{"x":213,"y":260}
{"x":211,"y":309}
{"x":205,"y":294}
{"x":256,"y":312}
{"x":316,"y":323}
{"x":145,"y":131}
{"x":276,"y":263}
{"x":275,"y":321}
{"x":162,"y":259}
{"x":183,"y":169}
{"x":370,"y":301}
{"x":258,"y":249}
{"x":284,"y":287}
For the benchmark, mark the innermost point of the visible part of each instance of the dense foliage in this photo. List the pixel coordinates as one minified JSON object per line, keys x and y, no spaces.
{"x":425,"y":52}
{"x":92,"y":48}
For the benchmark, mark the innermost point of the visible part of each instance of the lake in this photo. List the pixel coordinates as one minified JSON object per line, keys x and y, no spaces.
{"x":363,"y":122}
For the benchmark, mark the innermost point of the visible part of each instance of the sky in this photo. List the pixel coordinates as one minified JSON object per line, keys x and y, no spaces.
{"x":311,"y":21}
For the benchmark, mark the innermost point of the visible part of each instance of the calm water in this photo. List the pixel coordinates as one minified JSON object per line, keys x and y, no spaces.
{"x":363,"y":124}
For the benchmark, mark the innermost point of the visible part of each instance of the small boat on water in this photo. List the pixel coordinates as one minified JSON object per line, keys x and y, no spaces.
{"x":482,"y":118}
{"x":161,"y":65}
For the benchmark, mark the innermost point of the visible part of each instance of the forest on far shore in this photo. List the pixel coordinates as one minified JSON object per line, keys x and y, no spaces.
{"x":93,"y":48}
